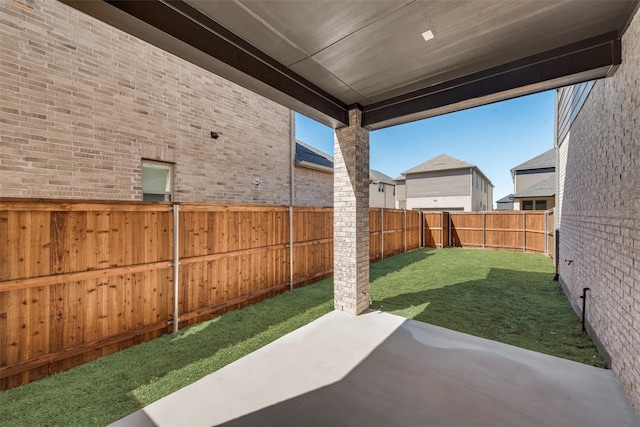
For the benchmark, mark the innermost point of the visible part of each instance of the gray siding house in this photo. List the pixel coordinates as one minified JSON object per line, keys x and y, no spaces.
{"x":444,"y":183}
{"x":382,"y":190}
{"x":505,"y":204}
{"x":534,"y":182}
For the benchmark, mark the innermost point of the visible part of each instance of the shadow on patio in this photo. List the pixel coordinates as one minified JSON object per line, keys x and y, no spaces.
{"x":381,"y":369}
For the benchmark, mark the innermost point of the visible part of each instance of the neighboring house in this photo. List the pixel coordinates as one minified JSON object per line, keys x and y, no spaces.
{"x":401,"y":192}
{"x":94,"y":113}
{"x":534,"y":182}
{"x":505,"y":204}
{"x":313,"y":176}
{"x":382,"y":190}
{"x":314,"y":180}
{"x":444,"y":183}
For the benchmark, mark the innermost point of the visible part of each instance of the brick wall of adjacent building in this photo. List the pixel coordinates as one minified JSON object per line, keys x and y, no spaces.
{"x":600,"y":228}
{"x":313,"y":187}
{"x":83,"y":103}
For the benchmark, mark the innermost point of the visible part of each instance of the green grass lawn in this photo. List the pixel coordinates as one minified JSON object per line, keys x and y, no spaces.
{"x":504,"y":296}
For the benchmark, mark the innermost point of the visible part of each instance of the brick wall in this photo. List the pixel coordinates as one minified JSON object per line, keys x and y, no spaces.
{"x":351,"y":217}
{"x":313,"y":187}
{"x":600,"y":228}
{"x":83,"y":103}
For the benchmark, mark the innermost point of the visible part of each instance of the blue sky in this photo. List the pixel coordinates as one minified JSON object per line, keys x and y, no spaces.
{"x":494,"y":137}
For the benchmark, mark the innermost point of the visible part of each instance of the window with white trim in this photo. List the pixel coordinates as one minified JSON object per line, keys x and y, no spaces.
{"x":157,"y":181}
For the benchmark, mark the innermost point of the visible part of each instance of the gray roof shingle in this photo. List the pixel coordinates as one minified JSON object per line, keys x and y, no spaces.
{"x":439,"y":163}
{"x":506,"y":199}
{"x":377,"y":176}
{"x":544,"y":188}
{"x":544,"y":160}
{"x":305,"y":154}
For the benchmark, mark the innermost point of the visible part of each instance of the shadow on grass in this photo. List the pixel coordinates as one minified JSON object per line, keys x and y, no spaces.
{"x":525,"y":309}
{"x":112,"y":387}
{"x":109,"y":388}
{"x":393,"y":264}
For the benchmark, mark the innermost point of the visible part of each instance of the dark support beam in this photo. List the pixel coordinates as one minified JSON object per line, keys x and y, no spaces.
{"x":186,"y":24}
{"x":587,"y":60}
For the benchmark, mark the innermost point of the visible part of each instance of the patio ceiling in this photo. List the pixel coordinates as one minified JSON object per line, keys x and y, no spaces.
{"x":322,"y":57}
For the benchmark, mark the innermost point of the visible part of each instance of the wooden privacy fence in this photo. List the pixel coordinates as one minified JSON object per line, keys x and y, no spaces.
{"x":392,"y":232}
{"x":79,"y":280}
{"x":527,"y":231}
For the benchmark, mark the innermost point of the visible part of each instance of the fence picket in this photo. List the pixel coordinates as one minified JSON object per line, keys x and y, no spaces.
{"x":83,"y":279}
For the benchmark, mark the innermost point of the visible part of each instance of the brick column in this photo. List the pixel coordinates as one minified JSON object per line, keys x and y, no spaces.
{"x":351,"y":216}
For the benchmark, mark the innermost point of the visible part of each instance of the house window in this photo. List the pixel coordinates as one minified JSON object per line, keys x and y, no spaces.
{"x":381,"y":187}
{"x":157,"y":181}
{"x":538,"y":205}
{"x":527,"y":205}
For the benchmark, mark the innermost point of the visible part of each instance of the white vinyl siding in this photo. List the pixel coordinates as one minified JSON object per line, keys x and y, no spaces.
{"x":382,"y":195}
{"x":482,"y":200}
{"x":401,"y":191}
{"x":570,"y":100}
{"x":434,"y":184}
{"x":527,"y":180}
{"x":563,"y":153}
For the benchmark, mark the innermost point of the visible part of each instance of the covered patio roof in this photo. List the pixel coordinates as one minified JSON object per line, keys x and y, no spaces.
{"x":321,"y":58}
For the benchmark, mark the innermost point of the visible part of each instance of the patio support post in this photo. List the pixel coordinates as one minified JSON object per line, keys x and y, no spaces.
{"x":351,"y":216}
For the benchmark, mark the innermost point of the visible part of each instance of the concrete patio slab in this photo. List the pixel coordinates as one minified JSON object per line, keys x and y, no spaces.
{"x":379,"y":369}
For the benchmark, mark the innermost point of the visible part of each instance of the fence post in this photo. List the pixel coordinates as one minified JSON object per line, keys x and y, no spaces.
{"x":381,"y":233}
{"x":290,"y":248}
{"x":441,"y":230}
{"x":484,"y":229}
{"x":422,"y":229}
{"x":176,"y":263}
{"x":404,"y":212}
{"x":546,"y":232}
{"x":524,"y":231}
{"x":449,"y":230}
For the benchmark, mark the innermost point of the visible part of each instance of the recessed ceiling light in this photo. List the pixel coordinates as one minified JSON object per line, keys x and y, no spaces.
{"x":427,"y":35}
